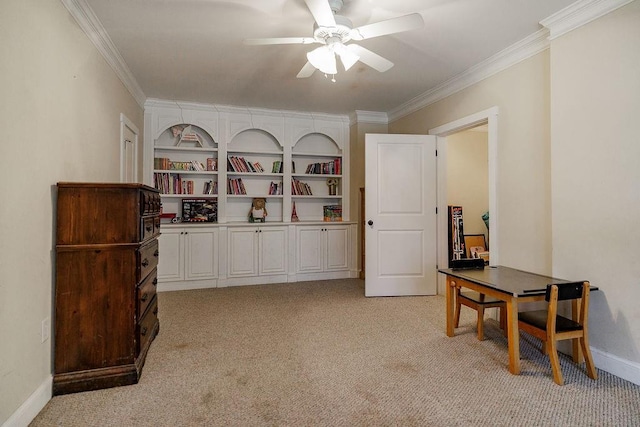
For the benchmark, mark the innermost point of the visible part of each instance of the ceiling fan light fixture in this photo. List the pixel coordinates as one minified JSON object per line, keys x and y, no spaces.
{"x":347,"y":57}
{"x":323,"y":59}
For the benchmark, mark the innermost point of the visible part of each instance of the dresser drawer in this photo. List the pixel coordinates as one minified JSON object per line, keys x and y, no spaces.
{"x":146,"y":292}
{"x":148,"y":258}
{"x":149,"y":203}
{"x":148,"y":325}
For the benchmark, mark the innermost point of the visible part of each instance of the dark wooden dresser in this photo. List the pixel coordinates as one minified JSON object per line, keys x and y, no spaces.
{"x":106,"y":310}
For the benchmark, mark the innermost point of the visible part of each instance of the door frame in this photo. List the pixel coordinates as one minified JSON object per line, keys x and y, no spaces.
{"x":125,"y":123}
{"x":490,"y":118}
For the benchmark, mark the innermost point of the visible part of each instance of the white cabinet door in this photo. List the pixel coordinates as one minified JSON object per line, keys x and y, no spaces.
{"x":309,"y":244}
{"x":336,"y":254}
{"x":257,"y":251}
{"x":273,"y":250}
{"x":201,"y":254}
{"x":243,"y":251}
{"x":322,"y":248}
{"x":171,"y":258}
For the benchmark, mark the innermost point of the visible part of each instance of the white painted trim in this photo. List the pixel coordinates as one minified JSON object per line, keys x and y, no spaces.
{"x":92,"y":27}
{"x":126,"y":123}
{"x":31,"y":407}
{"x":489,"y":116}
{"x":373,"y":117}
{"x":617,"y":366}
{"x":578,"y":14}
{"x":524,"y":49}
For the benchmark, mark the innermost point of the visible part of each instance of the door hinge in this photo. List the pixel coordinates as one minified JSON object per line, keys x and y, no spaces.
{"x":436,"y":211}
{"x":436,"y":153}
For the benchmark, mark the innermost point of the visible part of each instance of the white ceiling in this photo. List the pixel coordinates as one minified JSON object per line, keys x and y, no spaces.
{"x":192,"y":50}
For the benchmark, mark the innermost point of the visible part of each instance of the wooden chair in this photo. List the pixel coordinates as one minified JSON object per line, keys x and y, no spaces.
{"x":550,"y":327}
{"x":475,"y":300}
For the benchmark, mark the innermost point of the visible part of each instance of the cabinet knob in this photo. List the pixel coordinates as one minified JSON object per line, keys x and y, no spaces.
{"x":145,"y":262}
{"x":156,"y":253}
{"x":143,"y":331}
{"x":155,"y":281}
{"x":144,"y":297}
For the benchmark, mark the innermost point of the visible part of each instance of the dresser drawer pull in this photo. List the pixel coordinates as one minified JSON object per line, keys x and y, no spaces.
{"x":156,"y":253}
{"x":155,"y":310}
{"x":155,"y":281}
{"x":144,"y":297}
{"x":145,"y":262}
{"x":143,"y":331}
{"x":149,"y":228}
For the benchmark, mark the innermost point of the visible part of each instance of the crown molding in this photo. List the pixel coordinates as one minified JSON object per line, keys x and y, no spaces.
{"x":89,"y":23}
{"x":578,"y":14}
{"x":517,"y":52}
{"x":373,"y":117}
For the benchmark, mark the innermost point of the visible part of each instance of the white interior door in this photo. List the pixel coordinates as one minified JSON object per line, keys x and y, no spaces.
{"x":400,"y":215}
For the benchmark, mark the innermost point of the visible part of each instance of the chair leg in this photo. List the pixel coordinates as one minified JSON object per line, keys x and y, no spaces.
{"x":586,"y":351}
{"x":480,"y":323}
{"x":503,"y":320}
{"x":456,"y":315}
{"x":555,"y":362}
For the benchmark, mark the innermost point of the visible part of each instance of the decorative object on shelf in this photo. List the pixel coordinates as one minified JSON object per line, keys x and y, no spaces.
{"x":187,"y":134}
{"x":199,"y":210}
{"x":258,"y":211}
{"x":332,"y":183}
{"x":332,"y":213}
{"x":294,"y":214}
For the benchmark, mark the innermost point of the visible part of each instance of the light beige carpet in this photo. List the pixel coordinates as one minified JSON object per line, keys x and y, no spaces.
{"x":320,"y":353}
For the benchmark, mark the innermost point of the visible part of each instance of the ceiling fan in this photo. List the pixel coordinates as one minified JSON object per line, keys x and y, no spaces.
{"x":334,"y":31}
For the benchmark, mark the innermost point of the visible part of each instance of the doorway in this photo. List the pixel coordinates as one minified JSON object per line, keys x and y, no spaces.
{"x":489,"y":118}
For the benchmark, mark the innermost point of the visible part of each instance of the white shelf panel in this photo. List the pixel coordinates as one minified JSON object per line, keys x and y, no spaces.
{"x":255,"y":174}
{"x":181,"y":172}
{"x":185,"y":149}
{"x":254,"y":152}
{"x":316,"y":197}
{"x":251,"y":196}
{"x":189,"y":196}
{"x":321,"y":155}
{"x":314,"y":175}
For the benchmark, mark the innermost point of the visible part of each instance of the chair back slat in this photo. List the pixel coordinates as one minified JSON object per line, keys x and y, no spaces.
{"x":566,"y":291}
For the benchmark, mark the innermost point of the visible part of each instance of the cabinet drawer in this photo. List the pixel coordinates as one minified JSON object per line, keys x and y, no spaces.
{"x":149,"y":227}
{"x":148,"y":258}
{"x":146,"y":292}
{"x":147,"y":327}
{"x":149,"y":203}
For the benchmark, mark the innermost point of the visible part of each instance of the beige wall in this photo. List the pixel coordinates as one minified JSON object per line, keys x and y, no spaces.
{"x":523,"y":155}
{"x":356,"y":152}
{"x":468,"y":178}
{"x":595,"y":147}
{"x":60,"y":115}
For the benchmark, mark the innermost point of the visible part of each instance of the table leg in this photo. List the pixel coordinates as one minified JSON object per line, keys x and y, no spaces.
{"x":449,"y":292}
{"x":513,"y":336}
{"x":575,"y":315}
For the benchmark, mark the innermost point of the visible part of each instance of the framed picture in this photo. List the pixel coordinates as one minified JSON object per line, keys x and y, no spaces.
{"x":475,"y":245}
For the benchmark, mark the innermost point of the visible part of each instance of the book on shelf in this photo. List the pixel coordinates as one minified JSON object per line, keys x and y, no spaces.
{"x":277,"y":167}
{"x":172,"y":183}
{"x":163,"y":163}
{"x":299,"y":188}
{"x":235,"y":186}
{"x":275,"y":188}
{"x":212,"y":164}
{"x":334,"y":167}
{"x":240,"y":164}
{"x":332,"y":213}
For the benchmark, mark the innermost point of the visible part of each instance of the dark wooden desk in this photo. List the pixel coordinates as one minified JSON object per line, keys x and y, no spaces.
{"x":507,"y":284}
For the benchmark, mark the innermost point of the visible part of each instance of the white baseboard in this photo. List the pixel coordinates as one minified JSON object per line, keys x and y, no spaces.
{"x":617,"y":366}
{"x":32,"y":406}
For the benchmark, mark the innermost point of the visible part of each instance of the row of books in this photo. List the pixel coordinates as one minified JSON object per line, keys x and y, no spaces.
{"x":240,"y":164}
{"x":277,"y":167}
{"x":299,"y":188}
{"x":163,"y":163}
{"x":169,"y":183}
{"x":332,"y":213}
{"x":275,"y":188}
{"x":334,"y":167}
{"x":235,"y":186}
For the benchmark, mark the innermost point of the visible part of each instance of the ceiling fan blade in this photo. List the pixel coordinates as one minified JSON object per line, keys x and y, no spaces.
{"x":306,"y":71}
{"x":373,"y":60}
{"x":280,"y":40}
{"x":321,"y":12}
{"x":389,"y":26}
